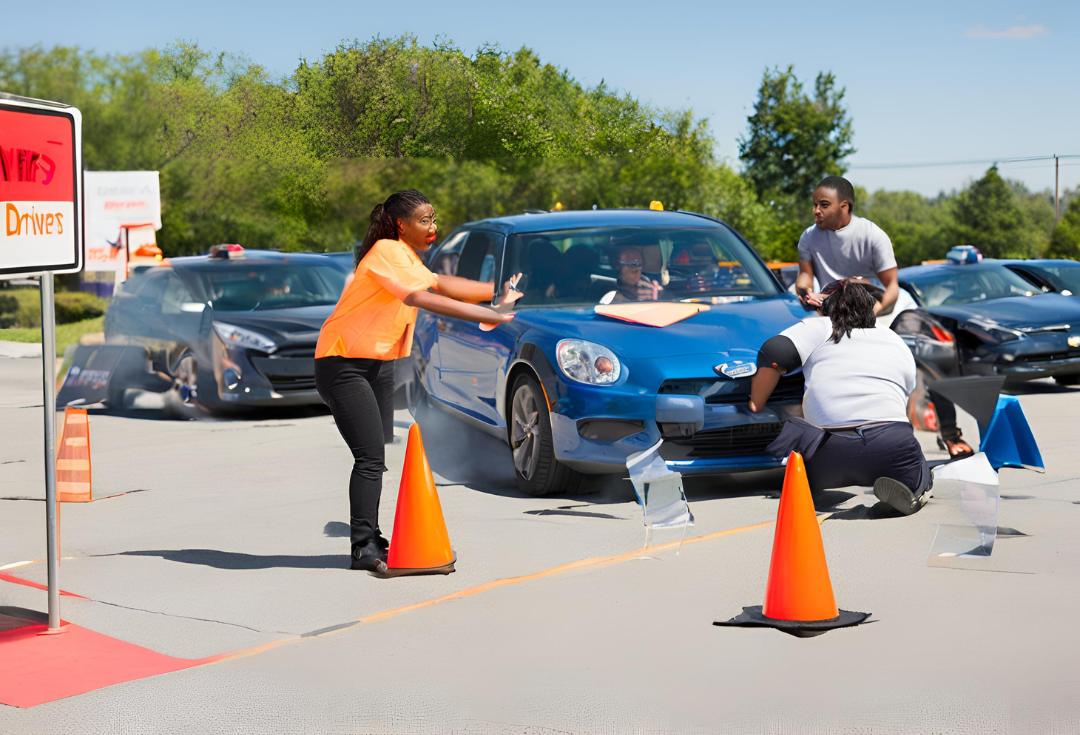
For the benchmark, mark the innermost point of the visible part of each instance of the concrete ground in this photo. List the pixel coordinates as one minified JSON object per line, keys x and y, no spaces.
{"x":233,"y":535}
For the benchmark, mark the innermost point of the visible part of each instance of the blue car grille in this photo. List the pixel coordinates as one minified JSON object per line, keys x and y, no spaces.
{"x":726,"y":443}
{"x":726,"y":392}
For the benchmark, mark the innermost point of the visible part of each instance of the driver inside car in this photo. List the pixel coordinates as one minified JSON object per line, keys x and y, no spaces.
{"x":632,"y":285}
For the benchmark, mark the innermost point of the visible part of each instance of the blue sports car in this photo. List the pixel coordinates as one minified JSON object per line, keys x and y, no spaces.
{"x":573,"y":392}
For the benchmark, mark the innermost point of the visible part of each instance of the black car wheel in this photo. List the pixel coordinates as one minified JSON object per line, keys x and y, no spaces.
{"x":183,"y":400}
{"x":529,"y":428}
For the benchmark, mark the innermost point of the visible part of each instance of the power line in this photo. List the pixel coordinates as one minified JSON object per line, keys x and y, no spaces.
{"x":934,"y":164}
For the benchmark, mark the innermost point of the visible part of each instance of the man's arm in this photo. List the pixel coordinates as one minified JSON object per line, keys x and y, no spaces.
{"x":889,"y":280}
{"x":804,"y":284}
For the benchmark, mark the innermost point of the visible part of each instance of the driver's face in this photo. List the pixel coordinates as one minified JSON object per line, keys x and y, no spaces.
{"x":628,"y":264}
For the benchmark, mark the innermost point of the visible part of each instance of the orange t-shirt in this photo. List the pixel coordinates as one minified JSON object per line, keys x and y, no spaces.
{"x":371,"y":319}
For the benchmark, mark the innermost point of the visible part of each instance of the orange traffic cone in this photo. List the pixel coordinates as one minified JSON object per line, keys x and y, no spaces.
{"x":798,"y":596}
{"x":73,"y":458}
{"x":420,"y":544}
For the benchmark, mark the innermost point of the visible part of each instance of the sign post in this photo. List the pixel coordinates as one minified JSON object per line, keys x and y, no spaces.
{"x":41,"y":234}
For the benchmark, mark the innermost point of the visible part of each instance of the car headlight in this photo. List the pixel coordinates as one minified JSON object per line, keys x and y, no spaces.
{"x":588,"y":362}
{"x":232,"y":335}
{"x":991,"y":332}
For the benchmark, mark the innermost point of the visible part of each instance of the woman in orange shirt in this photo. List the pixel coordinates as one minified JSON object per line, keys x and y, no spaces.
{"x":372,"y":325}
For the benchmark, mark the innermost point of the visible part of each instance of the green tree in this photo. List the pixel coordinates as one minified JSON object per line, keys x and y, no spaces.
{"x":1065,"y":242}
{"x":916,"y":225}
{"x":988,"y":216}
{"x":795,"y":137}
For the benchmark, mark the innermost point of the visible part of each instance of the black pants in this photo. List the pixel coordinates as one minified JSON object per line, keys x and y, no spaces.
{"x":843,"y":457}
{"x":360,"y":394}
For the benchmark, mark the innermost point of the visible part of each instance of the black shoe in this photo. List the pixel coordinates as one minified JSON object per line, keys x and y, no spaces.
{"x":369,"y":558}
{"x":898,"y":496}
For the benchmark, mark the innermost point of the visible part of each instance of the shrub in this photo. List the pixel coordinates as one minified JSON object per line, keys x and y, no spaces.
{"x":9,"y":305}
{"x":75,"y":306}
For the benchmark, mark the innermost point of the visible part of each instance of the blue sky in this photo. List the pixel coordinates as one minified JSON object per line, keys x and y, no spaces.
{"x":926,"y":81}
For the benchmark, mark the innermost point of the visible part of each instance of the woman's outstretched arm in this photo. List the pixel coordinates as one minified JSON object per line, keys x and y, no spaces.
{"x":439,"y":304}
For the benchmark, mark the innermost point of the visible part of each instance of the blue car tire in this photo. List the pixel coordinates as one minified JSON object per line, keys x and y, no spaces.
{"x":529,"y":432}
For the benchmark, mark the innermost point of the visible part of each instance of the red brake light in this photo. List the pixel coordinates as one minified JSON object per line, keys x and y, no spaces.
{"x":940,"y":334}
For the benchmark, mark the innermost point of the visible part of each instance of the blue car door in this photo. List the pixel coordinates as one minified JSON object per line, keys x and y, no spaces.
{"x":468,"y":360}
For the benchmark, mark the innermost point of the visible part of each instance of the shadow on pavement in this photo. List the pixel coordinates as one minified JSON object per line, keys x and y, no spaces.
{"x":236,"y":560}
{"x":337,"y":529}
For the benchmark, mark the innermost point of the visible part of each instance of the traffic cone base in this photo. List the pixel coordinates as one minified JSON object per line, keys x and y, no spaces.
{"x":752,"y":617}
{"x":798,"y":596}
{"x":395,"y":572}
{"x":420,"y":543}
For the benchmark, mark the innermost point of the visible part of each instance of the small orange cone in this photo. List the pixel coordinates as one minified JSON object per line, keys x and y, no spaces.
{"x":73,"y":458}
{"x":420,"y":544}
{"x":798,"y":596}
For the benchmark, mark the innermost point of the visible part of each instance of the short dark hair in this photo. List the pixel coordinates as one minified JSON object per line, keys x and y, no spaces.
{"x":845,"y":192}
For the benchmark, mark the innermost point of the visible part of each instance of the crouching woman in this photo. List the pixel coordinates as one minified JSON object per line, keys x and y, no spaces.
{"x":858,"y":379}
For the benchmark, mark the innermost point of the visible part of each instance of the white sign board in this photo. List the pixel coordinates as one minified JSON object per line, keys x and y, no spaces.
{"x":116,"y":200}
{"x":40,"y":187}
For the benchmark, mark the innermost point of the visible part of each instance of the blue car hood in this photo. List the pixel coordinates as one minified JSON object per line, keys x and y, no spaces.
{"x":1018,"y":311}
{"x":743,"y":325}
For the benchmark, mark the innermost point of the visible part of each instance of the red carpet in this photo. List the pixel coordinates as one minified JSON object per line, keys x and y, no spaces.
{"x":35,"y":669}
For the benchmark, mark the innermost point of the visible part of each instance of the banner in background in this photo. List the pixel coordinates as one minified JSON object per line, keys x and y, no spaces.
{"x":115,"y":201}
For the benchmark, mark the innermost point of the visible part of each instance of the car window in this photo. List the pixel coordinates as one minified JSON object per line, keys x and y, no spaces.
{"x":636,"y":264}
{"x":239,"y":286}
{"x":445,"y":260}
{"x":478,"y":257}
{"x":1063,"y":277}
{"x":966,"y":285}
{"x":151,"y":288}
{"x":175,"y":295}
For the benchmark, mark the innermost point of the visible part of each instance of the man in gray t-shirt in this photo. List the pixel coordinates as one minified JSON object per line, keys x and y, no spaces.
{"x":841,"y":245}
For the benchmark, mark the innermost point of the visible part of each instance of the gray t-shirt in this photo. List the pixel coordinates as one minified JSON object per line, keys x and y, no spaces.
{"x":860,"y":249}
{"x":864,"y":378}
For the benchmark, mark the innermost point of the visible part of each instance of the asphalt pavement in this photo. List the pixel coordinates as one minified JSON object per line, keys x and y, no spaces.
{"x":230,"y":535}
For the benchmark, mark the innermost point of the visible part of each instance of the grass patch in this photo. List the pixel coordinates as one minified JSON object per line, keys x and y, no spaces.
{"x":66,"y":334}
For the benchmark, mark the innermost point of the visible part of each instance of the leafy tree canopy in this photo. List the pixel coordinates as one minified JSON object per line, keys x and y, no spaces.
{"x":796,"y":137}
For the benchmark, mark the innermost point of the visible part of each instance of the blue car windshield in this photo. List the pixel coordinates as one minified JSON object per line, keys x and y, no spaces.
{"x":238,"y":286}
{"x":611,"y":264}
{"x":966,"y":284}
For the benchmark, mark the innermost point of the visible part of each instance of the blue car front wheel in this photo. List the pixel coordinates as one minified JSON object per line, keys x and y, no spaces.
{"x":529,"y":428}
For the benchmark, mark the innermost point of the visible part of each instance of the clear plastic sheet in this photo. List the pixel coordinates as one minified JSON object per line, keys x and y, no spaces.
{"x":970,"y":490}
{"x":659,"y":491}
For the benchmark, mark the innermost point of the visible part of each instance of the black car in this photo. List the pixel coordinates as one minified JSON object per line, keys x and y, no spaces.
{"x":1058,"y":276}
{"x":234,"y":329}
{"x":985,"y":319}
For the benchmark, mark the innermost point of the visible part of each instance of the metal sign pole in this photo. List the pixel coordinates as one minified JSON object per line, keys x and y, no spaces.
{"x":48,"y":371}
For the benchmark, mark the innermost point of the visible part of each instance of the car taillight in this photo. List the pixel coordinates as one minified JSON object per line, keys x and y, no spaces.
{"x":940,"y":334}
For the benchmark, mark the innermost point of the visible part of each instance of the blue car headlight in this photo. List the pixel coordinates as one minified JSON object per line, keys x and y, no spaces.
{"x":588,"y":362}
{"x":232,"y":335}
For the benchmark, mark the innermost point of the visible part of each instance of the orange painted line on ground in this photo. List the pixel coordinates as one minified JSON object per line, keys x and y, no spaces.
{"x":598,"y":561}
{"x":593,"y":562}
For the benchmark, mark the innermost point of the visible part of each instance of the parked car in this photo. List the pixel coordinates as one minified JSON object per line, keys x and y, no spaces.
{"x":1058,"y":276}
{"x":573,"y":392}
{"x":985,"y":319}
{"x":233,"y":329}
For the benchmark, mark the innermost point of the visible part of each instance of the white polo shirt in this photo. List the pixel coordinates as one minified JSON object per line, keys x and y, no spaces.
{"x":865,"y":378}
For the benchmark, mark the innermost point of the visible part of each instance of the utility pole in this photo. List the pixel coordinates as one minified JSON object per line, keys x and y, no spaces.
{"x":1057,"y":209}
